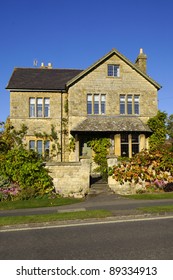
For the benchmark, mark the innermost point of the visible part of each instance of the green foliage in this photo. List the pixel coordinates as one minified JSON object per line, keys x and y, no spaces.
{"x":100,"y":147}
{"x":53,"y":137}
{"x":154,"y":167}
{"x":22,"y":173}
{"x":9,"y":137}
{"x":158,"y":125}
{"x":26,"y":169}
{"x":66,"y":106}
{"x":72,"y":144}
{"x":170,"y":126}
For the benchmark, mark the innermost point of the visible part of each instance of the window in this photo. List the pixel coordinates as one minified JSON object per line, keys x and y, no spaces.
{"x":103,"y":103}
{"x":135,"y":144}
{"x":39,"y":107}
{"x":32,"y":107}
{"x":89,"y":104}
{"x":41,"y":147}
{"x":136,"y":104}
{"x":46,"y":149}
{"x":129,"y":104}
{"x":32,"y":145}
{"x":96,"y":104}
{"x":124,"y":145}
{"x":113,"y":70}
{"x":129,"y":144}
{"x":46,"y":107}
{"x":122,"y":104}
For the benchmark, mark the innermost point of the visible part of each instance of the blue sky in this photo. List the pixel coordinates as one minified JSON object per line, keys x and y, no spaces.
{"x":76,"y":33}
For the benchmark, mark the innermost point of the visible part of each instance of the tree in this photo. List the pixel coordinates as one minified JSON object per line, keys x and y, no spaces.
{"x":158,"y":126}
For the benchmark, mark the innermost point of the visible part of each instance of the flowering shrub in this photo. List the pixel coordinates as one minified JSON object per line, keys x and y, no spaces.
{"x":26,"y":169}
{"x":8,"y":191}
{"x":155,"y":168}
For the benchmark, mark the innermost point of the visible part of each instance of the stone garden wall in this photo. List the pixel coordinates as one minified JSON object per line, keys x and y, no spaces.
{"x":127,"y":187}
{"x":71,"y":179}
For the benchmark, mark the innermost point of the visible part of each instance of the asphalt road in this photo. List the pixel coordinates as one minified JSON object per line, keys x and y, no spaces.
{"x":122,"y":241}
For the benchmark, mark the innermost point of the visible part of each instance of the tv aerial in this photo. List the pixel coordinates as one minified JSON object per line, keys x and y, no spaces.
{"x":35,"y":62}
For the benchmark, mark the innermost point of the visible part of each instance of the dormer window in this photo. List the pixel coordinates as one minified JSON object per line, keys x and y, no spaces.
{"x":113,"y":70}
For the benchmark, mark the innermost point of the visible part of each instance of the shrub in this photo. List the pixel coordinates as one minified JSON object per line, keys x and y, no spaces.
{"x":168,"y":187}
{"x":26,"y":169}
{"x":155,"y":168}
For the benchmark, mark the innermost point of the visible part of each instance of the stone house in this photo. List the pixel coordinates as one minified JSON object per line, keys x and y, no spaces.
{"x":112,"y":98}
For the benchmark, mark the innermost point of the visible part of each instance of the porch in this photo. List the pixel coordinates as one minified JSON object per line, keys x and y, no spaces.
{"x":128,"y":135}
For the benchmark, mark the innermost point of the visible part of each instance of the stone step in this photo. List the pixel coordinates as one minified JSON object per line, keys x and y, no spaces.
{"x":97,"y":189}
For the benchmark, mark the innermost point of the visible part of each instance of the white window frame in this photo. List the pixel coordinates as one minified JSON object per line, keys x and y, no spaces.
{"x":113,"y":70}
{"x":96,"y":104}
{"x":129,"y":104}
{"x":45,"y":146}
{"x":39,"y":107}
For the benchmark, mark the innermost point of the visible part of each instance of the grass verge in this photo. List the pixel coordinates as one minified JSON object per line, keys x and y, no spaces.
{"x":13,"y":220}
{"x":150,"y":196}
{"x":157,"y":209}
{"x":36,"y":203}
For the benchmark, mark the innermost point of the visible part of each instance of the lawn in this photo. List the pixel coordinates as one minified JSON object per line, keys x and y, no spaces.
{"x":151,"y":196}
{"x":157,"y":209}
{"x":36,"y":203}
{"x":13,"y":220}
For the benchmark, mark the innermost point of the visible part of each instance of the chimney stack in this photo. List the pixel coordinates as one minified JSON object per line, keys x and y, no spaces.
{"x":141,"y":61}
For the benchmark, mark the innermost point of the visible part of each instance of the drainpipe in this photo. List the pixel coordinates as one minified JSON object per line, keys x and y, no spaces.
{"x":61,"y":124}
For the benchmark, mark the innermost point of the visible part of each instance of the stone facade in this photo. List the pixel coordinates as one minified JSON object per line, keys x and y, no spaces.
{"x":97,"y":82}
{"x":68,"y":101}
{"x":19,"y":114}
{"x":67,"y":91}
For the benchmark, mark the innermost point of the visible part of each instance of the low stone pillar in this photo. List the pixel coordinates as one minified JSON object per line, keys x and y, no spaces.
{"x":86,"y":170}
{"x":112,"y":160}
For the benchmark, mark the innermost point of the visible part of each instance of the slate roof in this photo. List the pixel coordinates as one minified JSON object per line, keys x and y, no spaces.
{"x":111,"y":124}
{"x":41,"y":78}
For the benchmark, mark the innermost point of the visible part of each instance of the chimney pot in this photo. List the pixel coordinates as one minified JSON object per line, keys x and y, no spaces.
{"x":49,"y":65}
{"x":141,"y":50}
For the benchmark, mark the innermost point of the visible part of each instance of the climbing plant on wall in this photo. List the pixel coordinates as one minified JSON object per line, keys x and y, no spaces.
{"x":100,"y":147}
